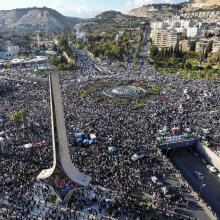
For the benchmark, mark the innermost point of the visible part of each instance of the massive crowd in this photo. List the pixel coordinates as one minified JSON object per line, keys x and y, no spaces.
{"x":132,"y":130}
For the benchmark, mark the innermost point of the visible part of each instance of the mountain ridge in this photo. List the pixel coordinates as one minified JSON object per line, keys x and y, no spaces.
{"x":30,"y":19}
{"x":168,"y":10}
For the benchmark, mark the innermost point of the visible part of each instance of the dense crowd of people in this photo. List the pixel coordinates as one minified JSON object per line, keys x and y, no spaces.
{"x":189,"y":104}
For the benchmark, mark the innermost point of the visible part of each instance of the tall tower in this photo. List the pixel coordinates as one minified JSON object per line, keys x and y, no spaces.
{"x":38,"y":41}
{"x":63,"y":177}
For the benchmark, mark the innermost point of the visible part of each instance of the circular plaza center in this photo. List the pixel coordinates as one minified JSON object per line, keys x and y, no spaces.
{"x":122,"y":91}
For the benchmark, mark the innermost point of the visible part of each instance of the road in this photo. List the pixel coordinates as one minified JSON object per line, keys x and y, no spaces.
{"x":193,"y":209}
{"x":187,"y":164}
{"x":86,"y":61}
{"x":20,"y":77}
{"x":145,"y":49}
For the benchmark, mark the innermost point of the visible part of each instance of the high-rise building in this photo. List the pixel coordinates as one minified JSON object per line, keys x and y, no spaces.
{"x":166,"y":39}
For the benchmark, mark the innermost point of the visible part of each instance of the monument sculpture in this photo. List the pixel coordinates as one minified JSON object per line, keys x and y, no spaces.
{"x":63,"y":177}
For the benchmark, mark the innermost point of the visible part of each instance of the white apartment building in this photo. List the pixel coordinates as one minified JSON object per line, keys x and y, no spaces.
{"x":170,"y":24}
{"x":193,"y":32}
{"x":13,"y":50}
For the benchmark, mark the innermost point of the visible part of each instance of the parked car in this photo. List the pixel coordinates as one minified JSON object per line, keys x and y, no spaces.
{"x":211,"y":168}
{"x":198,"y":175}
{"x":218,"y":175}
{"x":204,"y":161}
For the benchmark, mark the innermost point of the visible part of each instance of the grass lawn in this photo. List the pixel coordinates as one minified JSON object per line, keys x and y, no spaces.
{"x":139,"y":105}
{"x":103,"y":84}
{"x":81,"y":94}
{"x":98,"y":97}
{"x":90,"y":90}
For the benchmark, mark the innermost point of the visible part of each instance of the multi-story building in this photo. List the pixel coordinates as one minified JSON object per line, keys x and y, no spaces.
{"x":160,"y":38}
{"x":193,"y":32}
{"x":187,"y":45}
{"x":216,"y":46}
{"x":166,"y":39}
{"x":173,"y":37}
{"x":13,"y":50}
{"x":201,"y":45}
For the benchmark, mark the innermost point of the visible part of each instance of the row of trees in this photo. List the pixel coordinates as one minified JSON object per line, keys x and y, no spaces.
{"x":114,"y":46}
{"x":61,"y":63}
{"x":64,"y":46}
{"x":164,"y":53}
{"x":175,"y":58}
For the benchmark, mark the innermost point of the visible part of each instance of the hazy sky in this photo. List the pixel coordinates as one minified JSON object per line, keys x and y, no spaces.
{"x":81,"y":8}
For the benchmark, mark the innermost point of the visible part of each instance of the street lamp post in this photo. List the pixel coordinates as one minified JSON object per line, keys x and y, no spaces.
{"x":168,"y":148}
{"x":202,"y":185}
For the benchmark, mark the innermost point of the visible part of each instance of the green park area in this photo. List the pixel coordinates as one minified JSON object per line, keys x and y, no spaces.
{"x":189,"y":64}
{"x":143,"y":93}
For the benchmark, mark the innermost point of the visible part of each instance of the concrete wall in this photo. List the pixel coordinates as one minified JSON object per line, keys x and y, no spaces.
{"x":209,"y":155}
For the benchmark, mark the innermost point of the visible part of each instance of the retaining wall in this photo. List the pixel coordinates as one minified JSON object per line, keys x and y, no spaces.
{"x":209,"y":155}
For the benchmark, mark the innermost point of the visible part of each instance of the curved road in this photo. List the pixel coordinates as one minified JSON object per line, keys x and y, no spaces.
{"x":187,"y":164}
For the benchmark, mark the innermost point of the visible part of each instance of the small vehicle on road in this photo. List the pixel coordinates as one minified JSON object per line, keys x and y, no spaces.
{"x":204,"y":161}
{"x":196,"y":155}
{"x":211,"y":168}
{"x":198,"y":175}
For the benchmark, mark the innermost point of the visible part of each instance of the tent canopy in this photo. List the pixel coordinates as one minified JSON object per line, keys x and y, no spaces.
{"x":175,"y":129}
{"x":86,"y":141}
{"x":112,"y":148}
{"x":1,"y":120}
{"x":92,"y":136}
{"x":28,"y":145}
{"x":79,"y":135}
{"x":186,"y":134}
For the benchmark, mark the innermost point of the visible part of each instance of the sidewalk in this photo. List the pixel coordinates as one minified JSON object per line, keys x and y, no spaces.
{"x":203,"y":205}
{"x":194,"y":194}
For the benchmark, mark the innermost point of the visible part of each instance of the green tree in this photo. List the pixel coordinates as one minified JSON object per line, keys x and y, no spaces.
{"x":188,"y":65}
{"x":154,"y":51}
{"x":170,"y":51}
{"x":23,"y":114}
{"x":60,"y":66}
{"x":15,"y":117}
{"x":107,"y":54}
{"x":176,"y":51}
{"x":72,"y":66}
{"x":209,"y":47}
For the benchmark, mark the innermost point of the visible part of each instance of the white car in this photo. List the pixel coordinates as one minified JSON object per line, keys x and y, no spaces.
{"x":137,"y":157}
{"x":218,"y":175}
{"x":155,"y":180}
{"x":198,"y":175}
{"x":211,"y":168}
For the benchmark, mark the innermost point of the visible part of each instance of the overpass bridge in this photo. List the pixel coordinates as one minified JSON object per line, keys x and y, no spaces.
{"x":173,"y":144}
